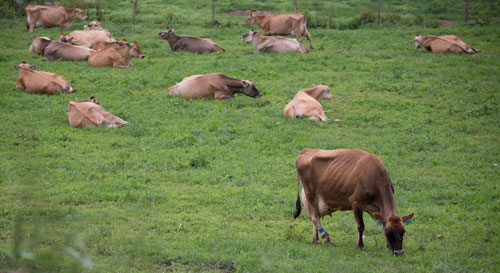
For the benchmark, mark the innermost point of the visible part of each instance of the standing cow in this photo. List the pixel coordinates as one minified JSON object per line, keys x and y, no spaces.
{"x":348,"y":180}
{"x":281,"y":24}
{"x":45,"y":16}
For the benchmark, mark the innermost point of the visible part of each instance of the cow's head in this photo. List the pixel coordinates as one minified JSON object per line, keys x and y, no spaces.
{"x":66,"y":39}
{"x":91,"y":99}
{"x":166,"y":33}
{"x":249,"y":36}
{"x":39,"y":44}
{"x":323,"y":91}
{"x":24,"y":65}
{"x":250,"y":19}
{"x":135,"y":50}
{"x":394,"y":231}
{"x":94,"y":25}
{"x":418,"y":41}
{"x":249,"y":89}
{"x":80,"y":14}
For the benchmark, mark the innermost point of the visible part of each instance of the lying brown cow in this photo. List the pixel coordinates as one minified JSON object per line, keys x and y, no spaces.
{"x":214,"y":85}
{"x":88,"y":112}
{"x":87,"y":37}
{"x":53,"y":50}
{"x":45,"y":16}
{"x":103,"y":45}
{"x":281,"y":24}
{"x":117,"y":56}
{"x":188,"y":43}
{"x":40,"y":82}
{"x":273,"y":44}
{"x":348,"y":180}
{"x":94,"y":25}
{"x":306,"y":103}
{"x":441,"y":44}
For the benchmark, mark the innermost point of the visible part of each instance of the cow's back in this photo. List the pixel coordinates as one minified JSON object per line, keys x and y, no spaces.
{"x":303,"y":105}
{"x":45,"y":16}
{"x":283,"y":24}
{"x":197,"y":86}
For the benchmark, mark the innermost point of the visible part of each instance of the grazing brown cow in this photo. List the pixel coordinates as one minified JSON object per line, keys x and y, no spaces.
{"x":53,"y":50}
{"x":281,"y":24}
{"x":40,"y":82}
{"x":273,"y":44}
{"x":94,"y":25}
{"x":45,"y":16}
{"x":87,"y":37}
{"x":441,"y":44}
{"x":103,"y":45}
{"x":188,"y":43}
{"x":88,"y":112}
{"x":306,"y":103}
{"x":214,"y":85}
{"x":348,"y":180}
{"x":117,"y":56}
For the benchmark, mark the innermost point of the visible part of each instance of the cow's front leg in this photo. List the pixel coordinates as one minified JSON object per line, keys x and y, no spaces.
{"x":61,"y":28}
{"x":221,"y":95}
{"x":358,"y":216}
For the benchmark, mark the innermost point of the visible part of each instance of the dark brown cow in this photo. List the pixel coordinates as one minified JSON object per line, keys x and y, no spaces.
{"x":188,"y":43}
{"x":281,"y":24}
{"x":45,"y":16}
{"x":348,"y":180}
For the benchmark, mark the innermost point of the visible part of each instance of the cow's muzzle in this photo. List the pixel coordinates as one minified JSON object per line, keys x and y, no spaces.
{"x":86,"y":18}
{"x":142,"y":56}
{"x":398,"y":252}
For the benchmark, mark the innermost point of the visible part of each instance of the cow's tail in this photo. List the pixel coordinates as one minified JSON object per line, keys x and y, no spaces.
{"x":298,"y":207}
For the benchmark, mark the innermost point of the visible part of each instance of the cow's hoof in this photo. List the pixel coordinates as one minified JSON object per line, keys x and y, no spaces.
{"x":361,"y":247}
{"x":316,"y":242}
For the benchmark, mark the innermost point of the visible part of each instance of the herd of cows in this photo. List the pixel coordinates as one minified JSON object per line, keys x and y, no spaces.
{"x":331,"y":180}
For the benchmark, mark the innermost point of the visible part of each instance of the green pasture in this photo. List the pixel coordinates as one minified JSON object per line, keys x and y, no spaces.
{"x":206,"y":185}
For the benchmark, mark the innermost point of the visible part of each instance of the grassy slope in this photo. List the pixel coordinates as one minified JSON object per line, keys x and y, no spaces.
{"x":191,"y":183}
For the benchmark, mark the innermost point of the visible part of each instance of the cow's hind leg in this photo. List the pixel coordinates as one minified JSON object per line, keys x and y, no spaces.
{"x":358,"y":216}
{"x":317,"y":227}
{"x":308,"y":36}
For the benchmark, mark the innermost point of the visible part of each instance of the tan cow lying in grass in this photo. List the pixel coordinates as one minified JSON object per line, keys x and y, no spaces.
{"x":89,"y":112}
{"x":188,"y":43}
{"x":441,"y":44}
{"x":87,"y":37}
{"x":281,"y":24}
{"x":40,"y":82}
{"x":94,"y":25}
{"x":53,"y":50}
{"x":103,"y":45}
{"x":47,"y":16}
{"x":306,"y":103}
{"x":117,"y":56}
{"x":273,"y":44}
{"x":214,"y":85}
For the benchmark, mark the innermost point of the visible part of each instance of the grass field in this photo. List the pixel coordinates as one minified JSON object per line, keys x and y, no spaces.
{"x":205,"y":185}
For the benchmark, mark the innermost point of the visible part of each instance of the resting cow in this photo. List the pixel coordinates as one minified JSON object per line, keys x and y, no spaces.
{"x":117,"y":56}
{"x":40,"y":82}
{"x":103,"y":45}
{"x":87,"y":37}
{"x":441,"y":44}
{"x":88,"y":112}
{"x":46,"y":16}
{"x":214,"y":85}
{"x":281,"y":24}
{"x":94,"y":25}
{"x":52,"y":50}
{"x":273,"y":44}
{"x":306,"y":103}
{"x":348,"y":180}
{"x":188,"y":43}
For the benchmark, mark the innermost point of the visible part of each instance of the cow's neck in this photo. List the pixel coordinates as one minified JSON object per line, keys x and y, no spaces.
{"x":259,"y":19}
{"x":314,"y":92}
{"x":388,"y":208}
{"x":234,"y":85}
{"x":172,"y":39}
{"x":257,"y":40}
{"x":70,"y":13}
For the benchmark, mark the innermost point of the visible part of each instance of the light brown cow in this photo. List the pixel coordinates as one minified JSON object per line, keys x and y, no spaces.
{"x":103,"y":45}
{"x":306,"y":103}
{"x":53,"y":50}
{"x":40,"y":82}
{"x":46,"y":16}
{"x":117,"y":56}
{"x":281,"y":24}
{"x":188,"y":43}
{"x":441,"y":44}
{"x":94,"y":25}
{"x":348,"y":180}
{"x":87,"y":37}
{"x":88,"y":112}
{"x":273,"y":44}
{"x":214,"y":85}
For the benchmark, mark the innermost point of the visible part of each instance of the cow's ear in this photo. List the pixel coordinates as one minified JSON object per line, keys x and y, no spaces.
{"x":407,"y":219}
{"x":33,"y":67}
{"x":323,"y":83}
{"x":378,"y":219}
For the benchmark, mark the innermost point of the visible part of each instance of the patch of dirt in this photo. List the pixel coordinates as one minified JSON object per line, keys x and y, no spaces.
{"x":244,"y":12}
{"x":223,"y":269}
{"x":446,"y":23}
